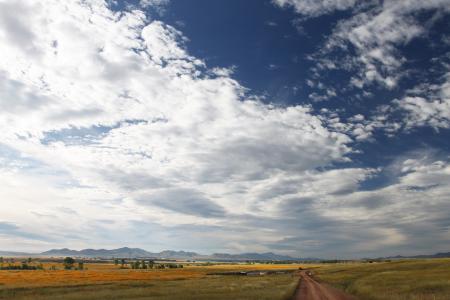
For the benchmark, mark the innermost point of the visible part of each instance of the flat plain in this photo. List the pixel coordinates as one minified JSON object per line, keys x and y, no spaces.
{"x":427,"y":279}
{"x":107,"y":281}
{"x":396,"y":280}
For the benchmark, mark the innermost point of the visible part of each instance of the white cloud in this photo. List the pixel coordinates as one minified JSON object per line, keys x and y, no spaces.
{"x":428,"y":105}
{"x":154,"y":2}
{"x":422,"y":112}
{"x":368,"y":45}
{"x":311,"y":8}
{"x":403,"y":216}
{"x":118,"y":119}
{"x":158,"y":5}
{"x":110,"y":126}
{"x":376,"y":34}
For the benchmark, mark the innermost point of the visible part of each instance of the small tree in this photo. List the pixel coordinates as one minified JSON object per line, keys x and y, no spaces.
{"x":80,"y":266}
{"x":123,"y":263}
{"x":29,"y":260}
{"x":68,"y":263}
{"x":116,"y":261}
{"x":1,"y":259}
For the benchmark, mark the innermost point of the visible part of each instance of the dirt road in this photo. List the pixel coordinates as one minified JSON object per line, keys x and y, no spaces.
{"x":309,"y":289}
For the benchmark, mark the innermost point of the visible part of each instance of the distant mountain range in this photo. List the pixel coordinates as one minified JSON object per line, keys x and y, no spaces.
{"x":104,"y":253}
{"x":126,"y":252}
{"x":437,"y":255}
{"x":17,"y":254}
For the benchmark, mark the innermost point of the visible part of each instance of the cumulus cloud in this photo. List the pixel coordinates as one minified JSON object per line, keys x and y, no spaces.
{"x":369,"y":46}
{"x":185,"y":201}
{"x":368,"y":42}
{"x":422,"y":112}
{"x":427,"y":105}
{"x":154,"y":2}
{"x":391,"y":217}
{"x":376,"y":34}
{"x":311,"y":8}
{"x":110,"y":126}
{"x":116,"y":116}
{"x":159,"y":6}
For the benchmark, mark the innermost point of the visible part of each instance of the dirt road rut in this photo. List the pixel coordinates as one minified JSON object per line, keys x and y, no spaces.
{"x":309,"y":289}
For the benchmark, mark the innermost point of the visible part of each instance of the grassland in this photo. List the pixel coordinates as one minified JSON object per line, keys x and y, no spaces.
{"x":397,"y":280}
{"x":106,"y":281}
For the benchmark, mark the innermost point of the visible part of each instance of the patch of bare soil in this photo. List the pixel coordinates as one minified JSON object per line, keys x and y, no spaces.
{"x":310,"y":289}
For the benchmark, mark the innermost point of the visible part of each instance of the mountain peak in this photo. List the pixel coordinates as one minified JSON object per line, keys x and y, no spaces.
{"x":126,"y":252}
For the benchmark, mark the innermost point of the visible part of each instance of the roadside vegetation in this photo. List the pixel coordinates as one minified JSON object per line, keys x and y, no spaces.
{"x":397,"y":280}
{"x":123,"y":279}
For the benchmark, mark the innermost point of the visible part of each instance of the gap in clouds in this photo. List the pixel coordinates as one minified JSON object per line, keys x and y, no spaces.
{"x":156,"y":141}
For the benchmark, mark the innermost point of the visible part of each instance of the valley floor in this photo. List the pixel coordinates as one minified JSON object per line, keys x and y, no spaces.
{"x":396,"y":280}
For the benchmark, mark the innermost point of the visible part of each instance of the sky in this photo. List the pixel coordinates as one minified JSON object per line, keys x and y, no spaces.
{"x":311,"y":128}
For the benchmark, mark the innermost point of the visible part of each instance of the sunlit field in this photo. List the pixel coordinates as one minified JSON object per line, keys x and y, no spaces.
{"x":397,"y":280}
{"x":109,"y":281}
{"x":105,"y":273}
{"x":214,"y":287}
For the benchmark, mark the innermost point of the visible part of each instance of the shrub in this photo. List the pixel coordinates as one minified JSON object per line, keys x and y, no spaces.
{"x":68,"y":263}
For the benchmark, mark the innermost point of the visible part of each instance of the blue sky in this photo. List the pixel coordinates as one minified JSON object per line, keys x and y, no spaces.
{"x":309,"y":128}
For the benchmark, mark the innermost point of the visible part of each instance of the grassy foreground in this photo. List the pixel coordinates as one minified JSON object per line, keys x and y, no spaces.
{"x":398,"y":280}
{"x":215,"y":287}
{"x":109,"y":282}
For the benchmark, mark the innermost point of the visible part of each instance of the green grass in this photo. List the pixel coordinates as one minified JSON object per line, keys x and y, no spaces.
{"x":398,"y":280}
{"x":212,"y":287}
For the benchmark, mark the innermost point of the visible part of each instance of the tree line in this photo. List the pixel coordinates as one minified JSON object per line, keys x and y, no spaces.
{"x":69,"y":263}
{"x":24,"y":265}
{"x":28,"y":264}
{"x":145,"y":264}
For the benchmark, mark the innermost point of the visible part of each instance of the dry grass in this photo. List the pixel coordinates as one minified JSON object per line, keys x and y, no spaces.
{"x":107,"y":281}
{"x":63,"y":277}
{"x":71,"y":277}
{"x":279,"y":287}
{"x":231,"y":267}
{"x":107,"y":273}
{"x":398,"y":280}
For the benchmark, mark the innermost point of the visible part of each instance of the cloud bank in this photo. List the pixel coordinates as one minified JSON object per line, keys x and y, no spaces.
{"x":112,"y":129}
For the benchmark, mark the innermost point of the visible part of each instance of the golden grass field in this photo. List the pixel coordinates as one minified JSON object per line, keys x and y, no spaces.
{"x":107,"y":281}
{"x":106,"y":273}
{"x":397,"y":280}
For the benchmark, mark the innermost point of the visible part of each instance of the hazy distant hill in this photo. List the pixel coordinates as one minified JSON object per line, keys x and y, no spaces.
{"x":437,"y":255}
{"x":168,"y":254}
{"x":126,"y":252}
{"x":121,"y":252}
{"x":16,"y":254}
{"x":251,"y":256}
{"x":176,"y":254}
